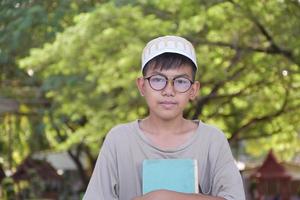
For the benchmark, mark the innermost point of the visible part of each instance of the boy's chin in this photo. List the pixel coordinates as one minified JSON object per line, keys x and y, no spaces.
{"x":168,"y":116}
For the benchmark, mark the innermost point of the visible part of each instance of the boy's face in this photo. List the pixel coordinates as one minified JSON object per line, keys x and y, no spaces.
{"x":168,"y":103}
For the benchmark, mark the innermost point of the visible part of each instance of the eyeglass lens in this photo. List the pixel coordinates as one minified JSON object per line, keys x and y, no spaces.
{"x":159,"y":82}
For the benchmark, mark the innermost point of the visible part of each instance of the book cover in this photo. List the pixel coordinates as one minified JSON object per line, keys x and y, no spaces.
{"x":180,"y":175}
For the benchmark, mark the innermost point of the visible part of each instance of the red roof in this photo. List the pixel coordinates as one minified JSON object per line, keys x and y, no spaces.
{"x":43,"y":169}
{"x":271,"y":169}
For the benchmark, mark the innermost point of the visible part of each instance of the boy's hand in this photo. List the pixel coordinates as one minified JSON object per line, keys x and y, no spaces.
{"x":155,"y":195}
{"x":166,"y":195}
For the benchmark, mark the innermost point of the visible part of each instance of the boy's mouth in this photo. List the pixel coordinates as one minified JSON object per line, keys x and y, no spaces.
{"x":167,"y":104}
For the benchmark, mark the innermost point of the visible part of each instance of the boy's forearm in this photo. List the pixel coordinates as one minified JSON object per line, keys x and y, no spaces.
{"x":182,"y":196}
{"x":165,"y":194}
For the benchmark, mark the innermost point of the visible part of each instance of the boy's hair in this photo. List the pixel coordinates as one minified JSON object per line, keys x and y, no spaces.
{"x":169,"y":61}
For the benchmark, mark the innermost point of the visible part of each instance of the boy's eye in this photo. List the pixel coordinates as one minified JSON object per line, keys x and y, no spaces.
{"x":158,"y":79}
{"x":181,"y":81}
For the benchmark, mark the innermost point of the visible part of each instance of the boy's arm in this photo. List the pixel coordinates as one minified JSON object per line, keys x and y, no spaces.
{"x":103,"y":183}
{"x":166,"y":194}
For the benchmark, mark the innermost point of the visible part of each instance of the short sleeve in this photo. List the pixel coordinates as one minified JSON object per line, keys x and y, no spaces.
{"x":103,"y":183}
{"x":227,"y":181}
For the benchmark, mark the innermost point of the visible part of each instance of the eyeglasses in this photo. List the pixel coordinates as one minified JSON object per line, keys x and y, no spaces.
{"x":159,"y":82}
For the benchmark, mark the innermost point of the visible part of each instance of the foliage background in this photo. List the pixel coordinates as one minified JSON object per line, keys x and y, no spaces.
{"x":68,"y":71}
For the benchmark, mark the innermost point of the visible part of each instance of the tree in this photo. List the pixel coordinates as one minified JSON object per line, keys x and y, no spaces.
{"x":245,"y":63}
{"x":24,"y":25}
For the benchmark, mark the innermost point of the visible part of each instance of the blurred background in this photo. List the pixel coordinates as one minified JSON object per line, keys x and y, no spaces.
{"x":68,"y":70}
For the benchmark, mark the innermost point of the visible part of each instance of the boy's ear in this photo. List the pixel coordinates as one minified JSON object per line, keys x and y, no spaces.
{"x":140,"y":83}
{"x":194,"y":90}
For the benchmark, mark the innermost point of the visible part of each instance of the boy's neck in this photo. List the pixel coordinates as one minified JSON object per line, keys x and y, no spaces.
{"x":166,"y":127}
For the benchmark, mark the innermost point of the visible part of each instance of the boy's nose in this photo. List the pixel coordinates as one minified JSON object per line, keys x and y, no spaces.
{"x":169,"y":90}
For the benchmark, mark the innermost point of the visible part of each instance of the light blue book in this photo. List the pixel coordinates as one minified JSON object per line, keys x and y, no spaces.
{"x":180,"y":175}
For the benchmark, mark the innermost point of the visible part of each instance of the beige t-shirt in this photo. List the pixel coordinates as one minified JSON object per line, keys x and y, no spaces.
{"x":118,"y":171}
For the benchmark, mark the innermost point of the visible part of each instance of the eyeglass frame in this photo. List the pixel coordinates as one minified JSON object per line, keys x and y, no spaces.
{"x":167,"y":79}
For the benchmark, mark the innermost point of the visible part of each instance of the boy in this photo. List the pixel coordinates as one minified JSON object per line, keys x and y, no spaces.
{"x":168,"y":67}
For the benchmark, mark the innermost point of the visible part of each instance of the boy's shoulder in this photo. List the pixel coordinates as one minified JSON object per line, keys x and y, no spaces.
{"x":123,"y":127}
{"x":211,"y":131}
{"x":121,"y":130}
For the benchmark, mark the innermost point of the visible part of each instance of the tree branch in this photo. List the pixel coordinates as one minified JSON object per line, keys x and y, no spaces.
{"x":74,"y":156}
{"x":273,"y":48}
{"x":229,"y":97}
{"x":204,"y":100}
{"x":256,"y":120}
{"x":254,"y":137}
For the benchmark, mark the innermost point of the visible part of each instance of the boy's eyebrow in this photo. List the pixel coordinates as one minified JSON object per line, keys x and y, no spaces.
{"x":179,"y":75}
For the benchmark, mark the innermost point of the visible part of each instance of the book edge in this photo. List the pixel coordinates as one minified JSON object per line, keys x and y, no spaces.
{"x":196,"y":176}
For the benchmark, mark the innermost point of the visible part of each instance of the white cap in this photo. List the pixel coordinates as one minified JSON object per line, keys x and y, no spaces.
{"x":168,"y":44}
